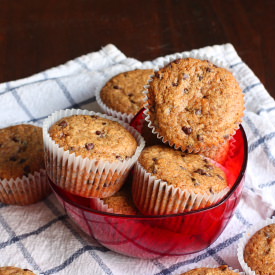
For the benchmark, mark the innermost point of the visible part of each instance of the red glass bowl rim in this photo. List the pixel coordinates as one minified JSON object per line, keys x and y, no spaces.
{"x":228,"y":195}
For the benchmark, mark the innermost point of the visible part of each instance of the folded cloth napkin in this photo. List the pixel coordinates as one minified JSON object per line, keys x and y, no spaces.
{"x":41,"y":237}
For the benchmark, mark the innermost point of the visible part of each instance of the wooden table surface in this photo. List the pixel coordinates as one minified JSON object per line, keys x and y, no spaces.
{"x":36,"y":35}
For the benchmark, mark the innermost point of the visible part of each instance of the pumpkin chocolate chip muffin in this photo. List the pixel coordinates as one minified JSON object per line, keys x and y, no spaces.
{"x":221,"y":270}
{"x":22,"y":174}
{"x":195,"y":105}
{"x":259,"y":252}
{"x":191,"y":174}
{"x":124,"y":92}
{"x":12,"y":270}
{"x":89,"y":154}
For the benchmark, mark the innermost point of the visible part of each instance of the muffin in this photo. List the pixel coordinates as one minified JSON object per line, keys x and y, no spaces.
{"x":119,"y":203}
{"x":167,"y":181}
{"x":194,"y":105}
{"x":122,"y":96}
{"x":89,"y":154}
{"x":259,"y":252}
{"x":221,"y":270}
{"x":22,"y":169}
{"x":12,"y":270}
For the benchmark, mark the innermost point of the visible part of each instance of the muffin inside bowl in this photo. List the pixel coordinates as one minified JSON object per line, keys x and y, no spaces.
{"x":151,"y":237}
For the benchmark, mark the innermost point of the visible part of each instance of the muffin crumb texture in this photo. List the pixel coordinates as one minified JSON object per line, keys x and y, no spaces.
{"x":94,"y":137}
{"x":21,"y":151}
{"x":185,"y":171}
{"x":259,"y":252}
{"x":124,"y":92}
{"x":221,"y":270}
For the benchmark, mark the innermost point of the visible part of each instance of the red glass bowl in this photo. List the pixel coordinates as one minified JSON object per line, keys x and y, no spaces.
{"x":150,"y":237}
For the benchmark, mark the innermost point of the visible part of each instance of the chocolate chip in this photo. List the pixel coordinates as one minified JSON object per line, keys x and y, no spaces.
{"x":13,"y":158}
{"x":197,"y":112}
{"x":186,"y":76}
{"x":104,"y":123}
{"x":94,"y":116}
{"x":183,"y":168}
{"x":130,"y":94}
{"x":187,"y":130}
{"x":72,"y":148}
{"x":89,"y":146}
{"x":133,"y":101}
{"x":154,"y":159}
{"x":15,"y":139}
{"x":185,"y":91}
{"x":195,"y":182}
{"x":211,"y":190}
{"x":175,"y":84}
{"x":25,"y":269}
{"x":63,"y":124}
{"x":158,"y":75}
{"x":22,"y":160}
{"x":119,"y":158}
{"x":223,"y":268}
{"x":209,"y":70}
{"x":200,"y":77}
{"x":220,"y":177}
{"x":202,"y":172}
{"x":116,"y":87}
{"x":177,"y":61}
{"x":98,"y":133}
{"x":205,"y":96}
{"x":209,"y":167}
{"x":200,"y":138}
{"x":27,"y":170}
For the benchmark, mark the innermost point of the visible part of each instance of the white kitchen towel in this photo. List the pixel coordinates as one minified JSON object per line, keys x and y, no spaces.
{"x":41,"y":237}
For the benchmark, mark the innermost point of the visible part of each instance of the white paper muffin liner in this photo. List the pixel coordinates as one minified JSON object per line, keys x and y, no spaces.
{"x":111,"y":112}
{"x":166,"y":61}
{"x":83,"y":176}
{"x":26,"y":190}
{"x":244,"y":240}
{"x":153,"y":196}
{"x":99,"y":205}
{"x":215,"y":266}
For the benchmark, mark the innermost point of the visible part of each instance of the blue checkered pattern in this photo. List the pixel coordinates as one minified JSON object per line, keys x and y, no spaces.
{"x":42,"y":238}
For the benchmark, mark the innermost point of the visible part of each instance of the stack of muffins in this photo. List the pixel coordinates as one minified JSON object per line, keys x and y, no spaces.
{"x":192,"y":110}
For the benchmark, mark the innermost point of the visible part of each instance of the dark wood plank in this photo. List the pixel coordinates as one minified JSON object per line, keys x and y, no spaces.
{"x":36,"y":35}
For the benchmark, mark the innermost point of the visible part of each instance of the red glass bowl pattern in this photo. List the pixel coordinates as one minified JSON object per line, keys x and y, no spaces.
{"x":150,"y":237}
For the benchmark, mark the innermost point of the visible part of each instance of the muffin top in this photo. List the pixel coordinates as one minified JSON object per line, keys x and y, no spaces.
{"x":185,"y":171}
{"x":124,"y":92}
{"x":21,"y":151}
{"x":194,"y":104}
{"x":94,"y":137}
{"x":122,"y":203}
{"x":221,"y":270}
{"x":11,"y":270}
{"x":259,"y":252}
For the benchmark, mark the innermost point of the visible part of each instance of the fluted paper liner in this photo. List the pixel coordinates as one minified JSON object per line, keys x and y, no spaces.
{"x":153,"y":196}
{"x":166,"y":61}
{"x":244,"y":240}
{"x":26,"y":190}
{"x":111,"y":112}
{"x":83,"y":176}
{"x":99,"y":205}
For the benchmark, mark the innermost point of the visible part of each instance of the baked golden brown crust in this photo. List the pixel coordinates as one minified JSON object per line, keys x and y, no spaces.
{"x":194,"y":104}
{"x":259,"y":252}
{"x":21,"y":151}
{"x":94,"y":137}
{"x":124,"y":92}
{"x":185,"y":171}
{"x":221,"y":270}
{"x":11,"y":270}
